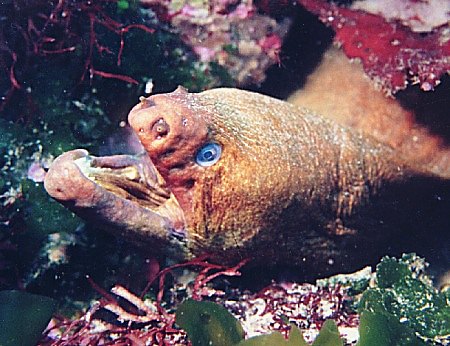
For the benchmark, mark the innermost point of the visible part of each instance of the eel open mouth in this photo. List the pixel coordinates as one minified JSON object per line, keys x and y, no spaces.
{"x":122,"y":193}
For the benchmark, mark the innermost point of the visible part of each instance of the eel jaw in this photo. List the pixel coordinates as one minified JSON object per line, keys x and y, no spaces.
{"x":124,"y":194}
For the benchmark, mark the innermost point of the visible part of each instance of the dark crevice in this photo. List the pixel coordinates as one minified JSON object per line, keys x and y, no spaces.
{"x":302,"y":50}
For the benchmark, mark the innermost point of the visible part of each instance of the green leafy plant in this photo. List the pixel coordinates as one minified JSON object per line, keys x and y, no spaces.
{"x":384,"y":329}
{"x":208,"y":323}
{"x":23,"y":317}
{"x":403,"y":308}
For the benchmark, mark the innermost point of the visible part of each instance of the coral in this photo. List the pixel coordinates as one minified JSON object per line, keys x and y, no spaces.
{"x":391,"y":53}
{"x":229,"y":33}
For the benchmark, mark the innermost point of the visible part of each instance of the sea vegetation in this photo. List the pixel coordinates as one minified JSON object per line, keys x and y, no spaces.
{"x":398,"y":306}
{"x":19,"y":309}
{"x":398,"y":44}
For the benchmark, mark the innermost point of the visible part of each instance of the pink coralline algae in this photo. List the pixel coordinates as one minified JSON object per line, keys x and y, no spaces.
{"x":36,"y":172}
{"x":392,"y":54}
{"x":277,"y":306}
{"x":230,"y":33}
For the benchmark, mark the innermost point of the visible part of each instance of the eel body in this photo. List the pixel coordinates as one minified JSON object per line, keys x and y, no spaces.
{"x":237,"y":174}
{"x":339,"y":90}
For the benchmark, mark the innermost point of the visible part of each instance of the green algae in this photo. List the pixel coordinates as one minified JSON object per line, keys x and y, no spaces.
{"x":43,"y":215}
{"x":23,"y":317}
{"x":208,"y":323}
{"x":380,"y":328}
{"x":328,"y":335}
{"x":295,"y":339}
{"x":404,"y":300}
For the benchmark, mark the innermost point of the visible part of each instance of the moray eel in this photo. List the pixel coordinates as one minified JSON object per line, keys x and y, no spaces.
{"x":416,"y":126}
{"x":237,"y":174}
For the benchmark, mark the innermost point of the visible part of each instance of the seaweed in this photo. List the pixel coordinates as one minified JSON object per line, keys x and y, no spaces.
{"x":23,"y":317}
{"x":64,"y":49}
{"x":207,"y":323}
{"x":384,"y":329}
{"x":401,"y":308}
{"x":404,"y":305}
{"x":207,"y":316}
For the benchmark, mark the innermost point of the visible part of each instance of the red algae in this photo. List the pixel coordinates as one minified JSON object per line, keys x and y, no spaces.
{"x":391,"y":53}
{"x":121,"y":317}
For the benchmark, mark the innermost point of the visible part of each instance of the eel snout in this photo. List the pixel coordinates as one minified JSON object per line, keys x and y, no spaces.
{"x":123,"y":193}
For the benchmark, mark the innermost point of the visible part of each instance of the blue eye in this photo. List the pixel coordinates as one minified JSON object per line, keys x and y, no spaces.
{"x":208,"y":155}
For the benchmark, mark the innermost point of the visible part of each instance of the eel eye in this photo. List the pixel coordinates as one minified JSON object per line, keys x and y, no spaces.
{"x":208,"y":155}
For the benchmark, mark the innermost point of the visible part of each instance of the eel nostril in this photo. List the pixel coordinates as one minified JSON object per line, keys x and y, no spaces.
{"x":146,"y":102}
{"x":160,"y":128}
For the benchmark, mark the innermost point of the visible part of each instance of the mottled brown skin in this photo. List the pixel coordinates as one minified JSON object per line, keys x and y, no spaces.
{"x":290,"y":187}
{"x":339,"y":90}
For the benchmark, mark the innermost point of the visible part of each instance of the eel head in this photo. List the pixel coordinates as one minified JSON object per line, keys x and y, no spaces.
{"x":174,"y":195}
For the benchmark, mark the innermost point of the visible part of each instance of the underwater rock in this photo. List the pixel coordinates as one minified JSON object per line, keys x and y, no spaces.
{"x":420,"y":16}
{"x":237,"y":174}
{"x":228,"y":33}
